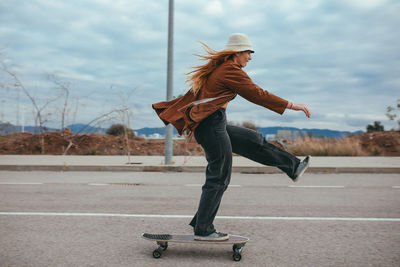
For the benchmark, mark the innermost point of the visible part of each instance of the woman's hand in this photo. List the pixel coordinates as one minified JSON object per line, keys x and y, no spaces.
{"x":299,"y":107}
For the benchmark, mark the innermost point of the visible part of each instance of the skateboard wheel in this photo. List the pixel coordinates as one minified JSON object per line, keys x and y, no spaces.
{"x":156,"y":254}
{"x":237,"y":257}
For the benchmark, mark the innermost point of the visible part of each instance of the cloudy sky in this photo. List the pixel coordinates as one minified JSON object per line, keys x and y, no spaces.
{"x":340,"y":57}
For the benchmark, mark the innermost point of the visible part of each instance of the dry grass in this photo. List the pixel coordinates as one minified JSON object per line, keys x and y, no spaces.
{"x":326,"y":147}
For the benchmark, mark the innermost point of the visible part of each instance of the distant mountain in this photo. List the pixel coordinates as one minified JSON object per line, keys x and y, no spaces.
{"x":149,"y":131}
{"x":83,"y":128}
{"x":268,"y":130}
{"x":76,"y":128}
{"x":80,"y":128}
{"x":308,"y":132}
{"x":10,"y":128}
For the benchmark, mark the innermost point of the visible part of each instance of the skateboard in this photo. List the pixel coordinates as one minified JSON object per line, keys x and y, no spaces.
{"x":162,"y":241}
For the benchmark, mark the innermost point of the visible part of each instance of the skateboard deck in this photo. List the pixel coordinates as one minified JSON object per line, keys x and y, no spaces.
{"x":162,"y":241}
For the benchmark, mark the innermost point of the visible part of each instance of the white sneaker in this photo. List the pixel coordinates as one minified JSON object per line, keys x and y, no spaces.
{"x":301,"y":168}
{"x":216,"y":236}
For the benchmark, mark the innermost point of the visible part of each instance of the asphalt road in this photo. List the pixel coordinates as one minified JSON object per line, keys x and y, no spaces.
{"x":95,"y":219}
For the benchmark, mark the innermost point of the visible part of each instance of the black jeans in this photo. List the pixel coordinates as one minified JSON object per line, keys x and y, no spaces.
{"x":219,"y":140}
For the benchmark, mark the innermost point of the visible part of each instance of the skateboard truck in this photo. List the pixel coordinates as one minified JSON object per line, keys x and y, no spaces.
{"x":237,"y":252}
{"x":162,"y":246}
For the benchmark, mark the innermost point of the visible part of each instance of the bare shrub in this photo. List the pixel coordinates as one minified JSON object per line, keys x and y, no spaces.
{"x":120,"y":130}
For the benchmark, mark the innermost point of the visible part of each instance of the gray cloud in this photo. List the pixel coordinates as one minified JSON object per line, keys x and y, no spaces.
{"x":341,"y":58}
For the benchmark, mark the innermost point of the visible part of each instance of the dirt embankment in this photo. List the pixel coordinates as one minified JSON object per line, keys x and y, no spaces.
{"x":56,"y":143}
{"x":379,"y":143}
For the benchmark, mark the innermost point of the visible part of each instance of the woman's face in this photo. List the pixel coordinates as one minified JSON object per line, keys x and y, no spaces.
{"x":242,"y":58}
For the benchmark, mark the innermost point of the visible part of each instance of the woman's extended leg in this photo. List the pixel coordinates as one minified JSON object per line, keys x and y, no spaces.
{"x":252,"y":145}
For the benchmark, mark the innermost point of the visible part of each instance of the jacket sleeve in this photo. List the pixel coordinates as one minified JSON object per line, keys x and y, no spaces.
{"x":237,"y":80}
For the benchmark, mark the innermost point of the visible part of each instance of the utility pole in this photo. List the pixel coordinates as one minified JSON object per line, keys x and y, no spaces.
{"x":23,"y":119}
{"x":17,"y":108}
{"x":169,"y":128}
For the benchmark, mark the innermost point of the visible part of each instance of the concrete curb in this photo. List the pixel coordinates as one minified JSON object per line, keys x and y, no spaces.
{"x":182,"y":168}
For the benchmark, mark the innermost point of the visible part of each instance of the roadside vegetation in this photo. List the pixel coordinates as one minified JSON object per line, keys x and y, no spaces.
{"x":367,"y":144}
{"x":326,"y":147}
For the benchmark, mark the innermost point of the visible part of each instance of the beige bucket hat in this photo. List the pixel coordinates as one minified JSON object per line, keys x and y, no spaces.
{"x":239,"y":42}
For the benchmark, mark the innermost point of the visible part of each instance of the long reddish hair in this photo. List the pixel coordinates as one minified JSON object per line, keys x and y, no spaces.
{"x":198,"y":77}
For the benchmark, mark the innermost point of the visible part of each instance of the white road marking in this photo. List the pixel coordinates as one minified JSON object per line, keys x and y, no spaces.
{"x":316,"y":186}
{"x":231,"y":185}
{"x":199,"y":185}
{"x":20,"y":183}
{"x":265,"y":218}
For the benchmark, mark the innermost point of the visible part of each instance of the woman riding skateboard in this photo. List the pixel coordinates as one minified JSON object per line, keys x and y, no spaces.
{"x":201,"y":111}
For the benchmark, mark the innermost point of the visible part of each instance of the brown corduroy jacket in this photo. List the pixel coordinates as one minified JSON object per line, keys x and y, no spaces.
{"x":227,"y":81}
